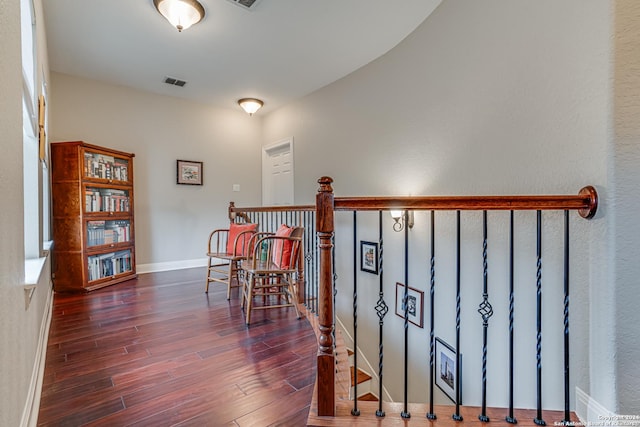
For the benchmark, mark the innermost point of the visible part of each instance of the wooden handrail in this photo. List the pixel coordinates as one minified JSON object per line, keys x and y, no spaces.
{"x":307,"y":208}
{"x":586,"y":203}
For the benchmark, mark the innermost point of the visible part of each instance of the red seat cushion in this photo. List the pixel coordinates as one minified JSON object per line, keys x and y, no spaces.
{"x":281,"y":257}
{"x":241,"y":246}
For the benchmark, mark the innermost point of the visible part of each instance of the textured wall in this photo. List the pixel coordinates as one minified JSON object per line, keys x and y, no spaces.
{"x":624,"y":223}
{"x":20,"y":327}
{"x":492,"y":97}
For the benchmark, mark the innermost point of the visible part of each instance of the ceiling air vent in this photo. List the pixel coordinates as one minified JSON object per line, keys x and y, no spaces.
{"x":245,"y":4}
{"x":174,"y":82}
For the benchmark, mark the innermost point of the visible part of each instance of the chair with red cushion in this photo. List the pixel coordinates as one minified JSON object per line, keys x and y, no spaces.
{"x":270,"y":272}
{"x":226,"y":248}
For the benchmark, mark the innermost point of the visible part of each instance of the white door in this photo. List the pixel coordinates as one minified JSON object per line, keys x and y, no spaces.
{"x":277,"y":173}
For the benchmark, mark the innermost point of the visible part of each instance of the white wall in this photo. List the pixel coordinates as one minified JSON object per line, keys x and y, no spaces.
{"x":492,"y":97}
{"x":172,"y":221}
{"x":21,"y":327}
{"x":625,"y":155}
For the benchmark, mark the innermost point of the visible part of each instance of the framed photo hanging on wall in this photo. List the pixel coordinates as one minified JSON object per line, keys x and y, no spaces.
{"x":189,"y":172}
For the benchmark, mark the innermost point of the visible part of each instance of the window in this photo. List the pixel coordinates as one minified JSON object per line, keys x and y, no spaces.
{"x":36,"y":192}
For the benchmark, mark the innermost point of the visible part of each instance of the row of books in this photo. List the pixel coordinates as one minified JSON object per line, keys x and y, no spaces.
{"x":108,"y":232}
{"x":107,"y":265}
{"x":106,"y":200}
{"x":105,"y":167}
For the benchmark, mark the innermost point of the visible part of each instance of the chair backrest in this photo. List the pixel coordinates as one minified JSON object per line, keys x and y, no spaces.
{"x":253,"y":246}
{"x":238,"y":238}
{"x":286,"y":247}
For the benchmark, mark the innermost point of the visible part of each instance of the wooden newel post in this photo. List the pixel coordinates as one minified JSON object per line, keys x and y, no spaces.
{"x":326,"y":355}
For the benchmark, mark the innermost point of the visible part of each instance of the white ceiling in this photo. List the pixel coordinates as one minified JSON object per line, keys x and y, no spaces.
{"x":278,"y":51}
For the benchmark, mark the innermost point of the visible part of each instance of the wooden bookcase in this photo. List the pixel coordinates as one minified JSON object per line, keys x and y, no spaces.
{"x":93,"y":226}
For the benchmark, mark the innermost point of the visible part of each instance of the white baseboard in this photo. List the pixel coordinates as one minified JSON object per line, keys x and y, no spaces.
{"x":591,"y":412}
{"x":171,"y":265}
{"x":32,"y":405}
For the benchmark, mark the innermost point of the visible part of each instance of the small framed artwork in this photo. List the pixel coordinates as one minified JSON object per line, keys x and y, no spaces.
{"x":369,"y":257}
{"x":189,"y":173}
{"x":447,"y":361}
{"x":415,"y":304}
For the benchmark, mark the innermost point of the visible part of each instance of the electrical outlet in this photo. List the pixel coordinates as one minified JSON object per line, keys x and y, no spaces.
{"x":236,"y":187}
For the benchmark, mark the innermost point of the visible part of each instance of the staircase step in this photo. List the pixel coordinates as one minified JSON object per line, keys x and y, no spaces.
{"x":362,"y":376}
{"x":370,"y":397}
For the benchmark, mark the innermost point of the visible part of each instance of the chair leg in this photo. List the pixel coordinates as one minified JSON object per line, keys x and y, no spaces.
{"x":292,"y":287}
{"x":249,"y":297}
{"x":243,"y":290}
{"x":232,"y":269}
{"x":206,"y":289}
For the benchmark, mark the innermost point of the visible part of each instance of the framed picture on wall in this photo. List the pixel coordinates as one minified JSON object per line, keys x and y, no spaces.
{"x":369,"y":257}
{"x":189,"y":172}
{"x":448,"y":364}
{"x":415,"y":304}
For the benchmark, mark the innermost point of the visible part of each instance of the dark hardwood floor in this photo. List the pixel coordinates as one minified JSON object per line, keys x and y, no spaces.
{"x":158,"y":351}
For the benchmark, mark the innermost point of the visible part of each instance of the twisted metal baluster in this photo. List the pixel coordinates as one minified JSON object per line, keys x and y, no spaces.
{"x":381,"y":311}
{"x":355,"y":411}
{"x":335,"y":287}
{"x":538,"y":419}
{"x":405,"y":298}
{"x":567,"y":414}
{"x":486,"y":311}
{"x":456,"y":416}
{"x":511,"y":418}
{"x":431,"y":415}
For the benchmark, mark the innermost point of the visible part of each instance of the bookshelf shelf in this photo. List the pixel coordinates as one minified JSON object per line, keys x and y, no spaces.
{"x":93,"y":223}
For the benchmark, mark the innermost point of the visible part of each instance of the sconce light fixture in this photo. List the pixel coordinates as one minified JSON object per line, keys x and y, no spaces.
{"x":399,"y":218}
{"x":250,"y":105}
{"x":180,"y":13}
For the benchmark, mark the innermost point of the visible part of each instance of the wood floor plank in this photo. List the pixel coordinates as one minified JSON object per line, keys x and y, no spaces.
{"x":159,"y":351}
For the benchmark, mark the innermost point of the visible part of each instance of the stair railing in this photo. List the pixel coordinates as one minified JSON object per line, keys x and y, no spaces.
{"x":585,"y":203}
{"x":269,"y":218}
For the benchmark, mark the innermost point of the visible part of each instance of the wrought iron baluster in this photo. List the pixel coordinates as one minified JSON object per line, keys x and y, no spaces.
{"x":567,"y":414}
{"x":405,"y":412}
{"x":486,"y":311}
{"x":456,"y":416}
{"x":511,"y":417}
{"x":431,"y":415}
{"x":381,"y":310}
{"x":316,"y":288}
{"x":335,"y":286}
{"x":538,"y":420}
{"x":355,"y":411}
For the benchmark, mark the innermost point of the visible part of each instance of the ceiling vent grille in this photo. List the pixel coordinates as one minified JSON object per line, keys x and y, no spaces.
{"x":245,"y":4}
{"x":174,"y":82}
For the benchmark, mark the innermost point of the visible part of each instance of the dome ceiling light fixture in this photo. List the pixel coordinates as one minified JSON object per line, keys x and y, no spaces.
{"x":250,"y":105}
{"x":182,"y":14}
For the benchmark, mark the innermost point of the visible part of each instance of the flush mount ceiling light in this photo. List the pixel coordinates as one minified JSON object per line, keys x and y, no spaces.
{"x":250,"y":105}
{"x":180,"y":13}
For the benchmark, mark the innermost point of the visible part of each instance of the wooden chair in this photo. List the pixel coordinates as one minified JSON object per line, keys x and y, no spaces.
{"x":270,"y":271}
{"x":225,"y":249}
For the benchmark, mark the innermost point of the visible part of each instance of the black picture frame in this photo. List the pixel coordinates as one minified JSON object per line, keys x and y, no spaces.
{"x":369,"y":257}
{"x":447,"y":359}
{"x":189,"y":172}
{"x":416,"y":304}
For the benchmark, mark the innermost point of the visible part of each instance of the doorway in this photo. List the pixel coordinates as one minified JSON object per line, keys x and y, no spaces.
{"x":277,"y":173}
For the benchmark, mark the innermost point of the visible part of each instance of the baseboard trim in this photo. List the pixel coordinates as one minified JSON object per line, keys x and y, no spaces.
{"x":32,"y":405}
{"x":589,"y":411}
{"x":171,"y":265}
